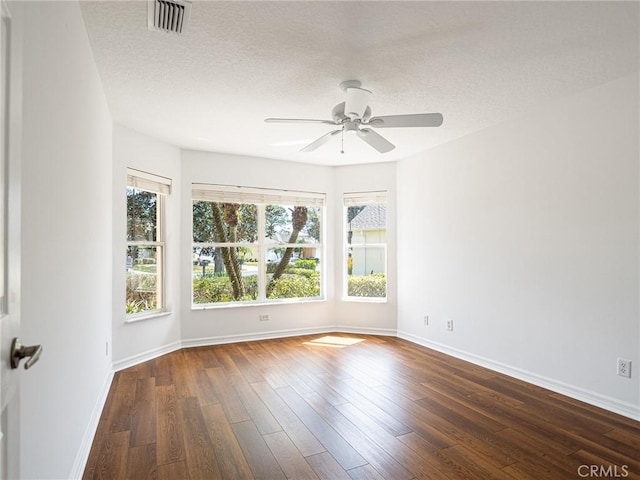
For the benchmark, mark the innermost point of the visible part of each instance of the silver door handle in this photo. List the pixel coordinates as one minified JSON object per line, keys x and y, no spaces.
{"x":19,"y":351}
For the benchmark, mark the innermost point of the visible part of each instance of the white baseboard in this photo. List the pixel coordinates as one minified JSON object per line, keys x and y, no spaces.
{"x":382,"y":332}
{"x":77,"y":470}
{"x":144,"y":356}
{"x":253,"y":336}
{"x":245,"y":337}
{"x":613,"y":405}
{"x":295,"y":332}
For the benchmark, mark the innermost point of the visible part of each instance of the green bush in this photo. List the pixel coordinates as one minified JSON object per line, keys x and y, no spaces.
{"x":306,"y":263}
{"x":141,"y":293}
{"x":295,"y":283}
{"x":140,"y":283}
{"x":217,"y":288}
{"x":296,"y":286}
{"x":303,"y":272}
{"x":140,"y":305}
{"x":370,"y":286}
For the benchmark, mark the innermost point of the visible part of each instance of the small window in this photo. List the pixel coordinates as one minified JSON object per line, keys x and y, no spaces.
{"x":145,"y":242}
{"x":366,"y":245}
{"x":255,"y":245}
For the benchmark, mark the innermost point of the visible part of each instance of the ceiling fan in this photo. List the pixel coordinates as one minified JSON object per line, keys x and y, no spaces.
{"x":354,"y":115}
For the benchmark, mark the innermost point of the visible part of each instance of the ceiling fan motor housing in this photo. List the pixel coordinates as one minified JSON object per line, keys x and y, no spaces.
{"x":340,"y":117}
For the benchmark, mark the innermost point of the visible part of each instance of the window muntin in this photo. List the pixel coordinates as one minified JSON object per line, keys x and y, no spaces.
{"x":278,"y":234}
{"x":145,"y":243}
{"x":365,"y":245}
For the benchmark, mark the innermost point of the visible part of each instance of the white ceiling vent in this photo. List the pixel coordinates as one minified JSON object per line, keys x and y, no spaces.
{"x":168,"y":15}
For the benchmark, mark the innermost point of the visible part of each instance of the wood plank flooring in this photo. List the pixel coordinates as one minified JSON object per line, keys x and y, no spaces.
{"x":381,"y":408}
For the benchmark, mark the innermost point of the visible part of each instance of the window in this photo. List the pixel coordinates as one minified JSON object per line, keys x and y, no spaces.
{"x":366,"y":245}
{"x":255,"y":245}
{"x":145,"y":242}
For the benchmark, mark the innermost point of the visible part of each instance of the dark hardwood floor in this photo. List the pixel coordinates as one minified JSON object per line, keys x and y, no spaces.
{"x":379,"y":408}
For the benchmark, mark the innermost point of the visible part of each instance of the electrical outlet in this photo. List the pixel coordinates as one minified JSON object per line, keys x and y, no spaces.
{"x":624,"y":368}
{"x":264,"y":318}
{"x":426,"y":319}
{"x":450,"y":325}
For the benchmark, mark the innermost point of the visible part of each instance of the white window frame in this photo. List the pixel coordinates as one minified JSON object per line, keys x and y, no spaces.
{"x":161,"y":186}
{"x":352,"y":199}
{"x":261,"y":197}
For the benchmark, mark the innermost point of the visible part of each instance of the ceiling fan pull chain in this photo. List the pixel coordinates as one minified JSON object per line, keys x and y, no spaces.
{"x":342,"y":141}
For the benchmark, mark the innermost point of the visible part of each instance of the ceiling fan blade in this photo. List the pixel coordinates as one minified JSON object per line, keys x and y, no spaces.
{"x":376,"y":140}
{"x":320,"y":141}
{"x":412,"y":120}
{"x":297,"y":120}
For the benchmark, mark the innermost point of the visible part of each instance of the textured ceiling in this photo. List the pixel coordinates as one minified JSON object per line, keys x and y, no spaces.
{"x":478,"y":63}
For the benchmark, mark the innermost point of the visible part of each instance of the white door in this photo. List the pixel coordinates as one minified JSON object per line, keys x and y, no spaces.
{"x":10,"y":118}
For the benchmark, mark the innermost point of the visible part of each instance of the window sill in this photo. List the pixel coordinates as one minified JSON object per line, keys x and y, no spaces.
{"x":364,"y":299}
{"x":147,"y":316}
{"x":292,"y":301}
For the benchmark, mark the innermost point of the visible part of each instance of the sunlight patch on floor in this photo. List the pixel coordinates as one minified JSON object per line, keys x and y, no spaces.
{"x":335,"y":342}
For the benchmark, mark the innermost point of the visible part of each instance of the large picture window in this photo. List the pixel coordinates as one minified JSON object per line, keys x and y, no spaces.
{"x":255,"y":245}
{"x":145,"y":242}
{"x":366,"y":245}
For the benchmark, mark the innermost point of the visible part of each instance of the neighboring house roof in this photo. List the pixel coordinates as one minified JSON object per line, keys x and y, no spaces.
{"x":372,"y":217}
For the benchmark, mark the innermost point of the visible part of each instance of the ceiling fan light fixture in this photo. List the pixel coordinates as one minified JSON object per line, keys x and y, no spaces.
{"x":350,"y":127}
{"x":357,"y":102}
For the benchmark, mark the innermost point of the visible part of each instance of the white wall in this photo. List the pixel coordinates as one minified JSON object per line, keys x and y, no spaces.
{"x":155,"y":335}
{"x":526,"y":234}
{"x":375,"y":317}
{"x":66,"y":237}
{"x":226,"y":324}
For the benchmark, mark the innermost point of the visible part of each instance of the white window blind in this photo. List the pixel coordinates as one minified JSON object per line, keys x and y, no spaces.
{"x":364,"y":198}
{"x":148,"y":182}
{"x":263,"y":196}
